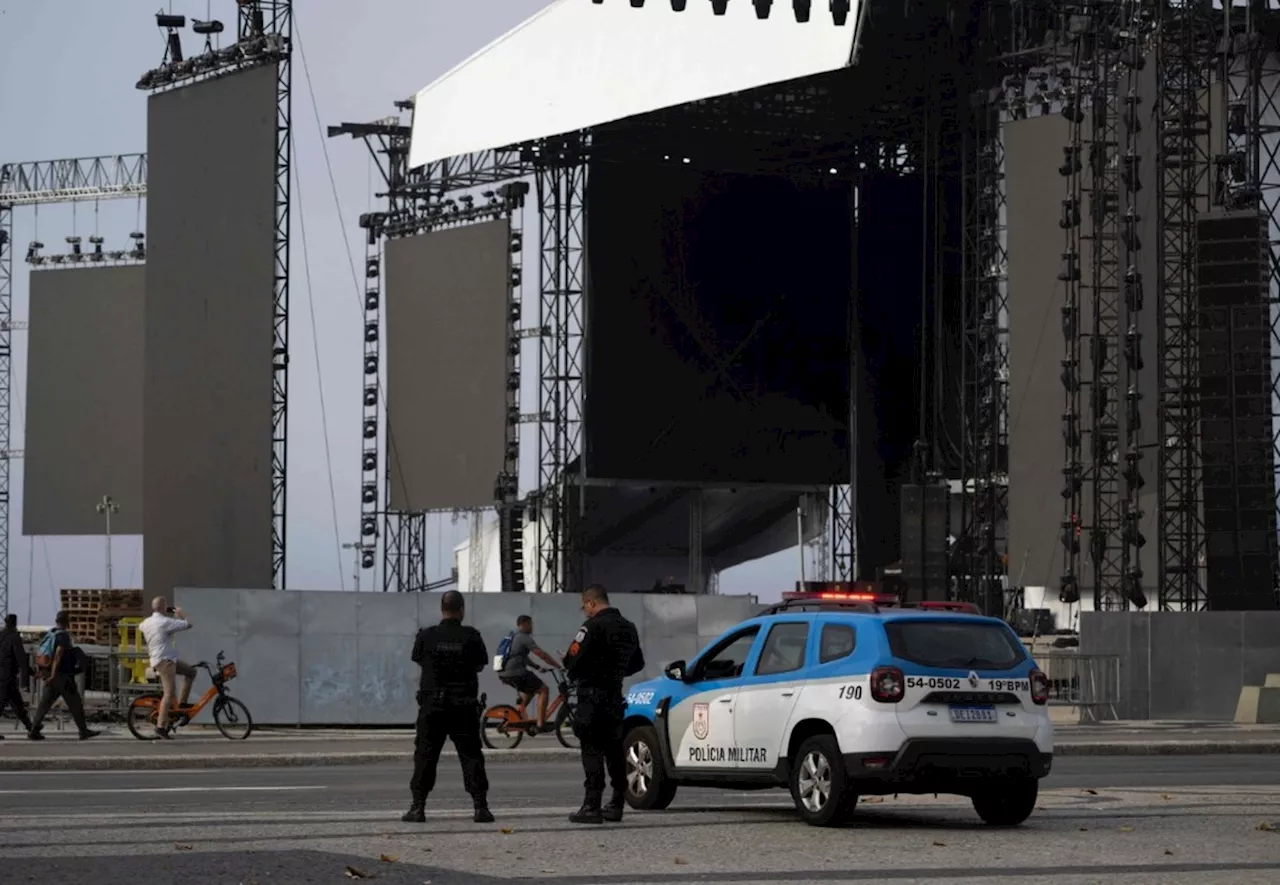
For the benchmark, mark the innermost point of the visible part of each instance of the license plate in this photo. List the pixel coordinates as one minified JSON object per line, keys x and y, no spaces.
{"x":973,"y":714}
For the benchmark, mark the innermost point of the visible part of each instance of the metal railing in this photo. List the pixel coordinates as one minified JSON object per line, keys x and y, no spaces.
{"x":1090,"y":683}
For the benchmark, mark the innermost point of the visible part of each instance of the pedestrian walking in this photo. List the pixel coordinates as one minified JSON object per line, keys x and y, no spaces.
{"x":605,"y":650}
{"x":61,"y":682}
{"x":13,"y":669}
{"x":451,"y":657}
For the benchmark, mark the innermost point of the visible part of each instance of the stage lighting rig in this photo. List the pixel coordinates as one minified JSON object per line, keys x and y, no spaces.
{"x":139,"y":250}
{"x":207,"y":30}
{"x":96,"y":243}
{"x":763,"y":8}
{"x":171,"y":25}
{"x":803,"y":10}
{"x":76,"y":253}
{"x":33,"y":253}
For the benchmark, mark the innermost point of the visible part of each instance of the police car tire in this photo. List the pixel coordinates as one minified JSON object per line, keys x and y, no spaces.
{"x":1007,"y":803}
{"x":662,"y":789}
{"x":841,"y":800}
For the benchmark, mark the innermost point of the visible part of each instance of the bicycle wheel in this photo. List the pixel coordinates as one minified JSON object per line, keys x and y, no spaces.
{"x":232,"y":718}
{"x":564,"y":730}
{"x":497,"y":728}
{"x":142,"y":715}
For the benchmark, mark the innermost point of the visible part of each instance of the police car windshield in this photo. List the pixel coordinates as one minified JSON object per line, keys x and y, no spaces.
{"x":968,"y":645}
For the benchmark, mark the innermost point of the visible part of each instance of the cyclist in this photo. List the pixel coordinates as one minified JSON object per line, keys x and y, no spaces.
{"x":158,"y":630}
{"x":516,"y":672}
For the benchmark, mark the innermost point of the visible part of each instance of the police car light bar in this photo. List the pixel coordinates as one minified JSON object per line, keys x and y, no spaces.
{"x":835,"y":596}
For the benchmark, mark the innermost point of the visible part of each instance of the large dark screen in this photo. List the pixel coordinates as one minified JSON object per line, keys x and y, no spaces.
{"x":84,"y":401}
{"x":717,"y":326}
{"x":210,"y":277}
{"x":448,"y":297}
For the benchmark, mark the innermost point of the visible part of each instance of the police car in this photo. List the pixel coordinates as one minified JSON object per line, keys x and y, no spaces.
{"x":837,"y":698}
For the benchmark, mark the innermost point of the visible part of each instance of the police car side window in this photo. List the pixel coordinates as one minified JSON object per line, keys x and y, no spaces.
{"x":838,"y":641}
{"x":726,"y":662}
{"x":783,"y":649}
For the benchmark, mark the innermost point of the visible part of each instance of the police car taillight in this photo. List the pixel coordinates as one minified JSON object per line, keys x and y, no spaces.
{"x":887,"y":684}
{"x":1039,"y":688}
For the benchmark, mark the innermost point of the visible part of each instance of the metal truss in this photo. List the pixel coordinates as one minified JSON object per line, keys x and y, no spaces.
{"x":85,"y":179}
{"x":268,"y":24}
{"x":1098,"y":82}
{"x":1185,"y":48}
{"x":76,"y":180}
{"x":561,"y":180}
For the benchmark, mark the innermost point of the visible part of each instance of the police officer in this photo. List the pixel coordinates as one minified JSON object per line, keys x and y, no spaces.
{"x":605,"y":650}
{"x":450,"y":656}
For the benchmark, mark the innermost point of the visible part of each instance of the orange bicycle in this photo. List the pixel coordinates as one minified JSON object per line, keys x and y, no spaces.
{"x":503,"y":726}
{"x":230,"y":715}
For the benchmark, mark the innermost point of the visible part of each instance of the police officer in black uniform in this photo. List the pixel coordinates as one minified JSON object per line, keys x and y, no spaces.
{"x":450,"y":656}
{"x":605,"y":650}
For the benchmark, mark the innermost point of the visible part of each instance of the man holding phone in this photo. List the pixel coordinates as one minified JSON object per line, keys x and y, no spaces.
{"x":158,"y":630}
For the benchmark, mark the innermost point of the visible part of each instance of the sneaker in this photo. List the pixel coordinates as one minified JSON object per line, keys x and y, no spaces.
{"x":166,"y":732}
{"x":89,"y":733}
{"x":36,"y":735}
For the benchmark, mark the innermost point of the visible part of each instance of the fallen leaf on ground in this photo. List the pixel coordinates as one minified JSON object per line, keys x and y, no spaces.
{"x":681,"y":860}
{"x":1267,"y":827}
{"x":181,"y":847}
{"x":388,"y":858}
{"x":1126,"y":829}
{"x":353,"y":873}
{"x":940,"y":844}
{"x":873,"y":800}
{"x":1090,"y":792}
{"x":506,"y":831}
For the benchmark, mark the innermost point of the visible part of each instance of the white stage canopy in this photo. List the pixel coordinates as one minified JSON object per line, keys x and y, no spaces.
{"x":577,"y":64}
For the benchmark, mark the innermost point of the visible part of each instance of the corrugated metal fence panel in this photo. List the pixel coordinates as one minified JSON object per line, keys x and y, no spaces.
{"x":329,"y":658}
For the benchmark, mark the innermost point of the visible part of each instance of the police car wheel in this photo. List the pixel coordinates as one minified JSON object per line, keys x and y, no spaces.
{"x":819,"y":785}
{"x":648,"y":787}
{"x":1007,"y":803}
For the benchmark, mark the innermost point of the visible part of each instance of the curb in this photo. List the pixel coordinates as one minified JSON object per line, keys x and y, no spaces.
{"x":376,"y":757}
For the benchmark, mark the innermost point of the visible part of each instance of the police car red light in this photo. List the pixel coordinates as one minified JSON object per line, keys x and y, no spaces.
{"x":1039,"y":688}
{"x":887,"y":684}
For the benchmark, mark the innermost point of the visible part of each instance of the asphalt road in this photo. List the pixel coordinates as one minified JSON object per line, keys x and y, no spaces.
{"x":1182,"y":820}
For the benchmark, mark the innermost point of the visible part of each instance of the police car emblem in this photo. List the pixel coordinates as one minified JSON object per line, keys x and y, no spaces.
{"x":973,"y":679}
{"x":701,"y":721}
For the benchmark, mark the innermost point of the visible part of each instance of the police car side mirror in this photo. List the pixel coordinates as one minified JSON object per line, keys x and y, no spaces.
{"x":675,"y":670}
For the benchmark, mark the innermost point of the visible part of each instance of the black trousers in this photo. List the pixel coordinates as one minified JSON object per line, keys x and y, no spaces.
{"x":598,"y":724}
{"x":460,"y":724}
{"x":64,"y":687}
{"x":11,"y":696}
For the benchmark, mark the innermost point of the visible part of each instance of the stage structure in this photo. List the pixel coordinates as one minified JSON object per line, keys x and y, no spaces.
{"x":261,"y":47}
{"x":87,"y":179}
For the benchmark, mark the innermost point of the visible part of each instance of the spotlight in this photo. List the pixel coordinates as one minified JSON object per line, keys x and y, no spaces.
{"x":33,"y":252}
{"x":206,"y":28}
{"x":1068,"y":590}
{"x":139,"y":248}
{"x":679,"y":5}
{"x":96,"y":242}
{"x":763,"y":7}
{"x":840,"y":12}
{"x":367,"y":559}
{"x":74,"y":243}
{"x":170,"y":21}
{"x":637,"y":4}
{"x":719,"y":7}
{"x":803,"y":9}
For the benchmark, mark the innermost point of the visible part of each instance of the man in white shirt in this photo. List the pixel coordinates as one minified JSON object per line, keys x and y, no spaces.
{"x":158,"y":630}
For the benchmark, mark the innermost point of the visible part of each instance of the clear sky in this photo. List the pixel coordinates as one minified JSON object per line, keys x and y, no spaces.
{"x":67,"y":74}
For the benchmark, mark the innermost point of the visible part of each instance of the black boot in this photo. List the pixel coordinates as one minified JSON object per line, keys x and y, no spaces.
{"x":482,"y":814}
{"x":589,"y":813}
{"x":417,"y":811}
{"x":612,"y":811}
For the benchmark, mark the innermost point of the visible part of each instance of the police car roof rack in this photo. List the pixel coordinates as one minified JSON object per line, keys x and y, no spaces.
{"x":821,"y":604}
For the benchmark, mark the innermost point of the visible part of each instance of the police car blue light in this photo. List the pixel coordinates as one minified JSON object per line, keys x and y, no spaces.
{"x":837,"y":699}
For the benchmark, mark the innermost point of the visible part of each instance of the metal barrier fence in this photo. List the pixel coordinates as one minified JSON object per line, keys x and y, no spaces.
{"x":1089,"y":683}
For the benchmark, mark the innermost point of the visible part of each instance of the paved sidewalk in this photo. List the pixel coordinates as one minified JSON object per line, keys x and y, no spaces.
{"x":284,"y":747}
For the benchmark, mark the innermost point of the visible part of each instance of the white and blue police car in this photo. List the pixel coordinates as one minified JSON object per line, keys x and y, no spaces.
{"x":841,"y":698}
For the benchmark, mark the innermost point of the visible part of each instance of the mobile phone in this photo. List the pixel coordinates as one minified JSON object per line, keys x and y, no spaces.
{"x":170,"y":609}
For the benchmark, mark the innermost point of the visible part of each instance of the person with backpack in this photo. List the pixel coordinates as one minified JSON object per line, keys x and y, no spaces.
{"x":13,"y":664}
{"x":59,"y":660}
{"x":512,"y":664}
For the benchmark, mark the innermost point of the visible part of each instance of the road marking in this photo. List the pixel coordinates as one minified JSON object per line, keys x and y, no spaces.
{"x":271,"y":789}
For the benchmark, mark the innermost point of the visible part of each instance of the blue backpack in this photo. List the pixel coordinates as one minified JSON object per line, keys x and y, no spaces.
{"x":44,"y":654}
{"x":504,"y":651}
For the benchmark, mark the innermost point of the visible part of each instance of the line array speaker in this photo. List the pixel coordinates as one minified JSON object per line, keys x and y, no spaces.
{"x":511,"y":547}
{"x":1234,"y":328}
{"x":924,"y":541}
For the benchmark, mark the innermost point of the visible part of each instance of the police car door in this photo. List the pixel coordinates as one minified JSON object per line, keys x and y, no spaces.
{"x":701,"y":724}
{"x":769,"y":693}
